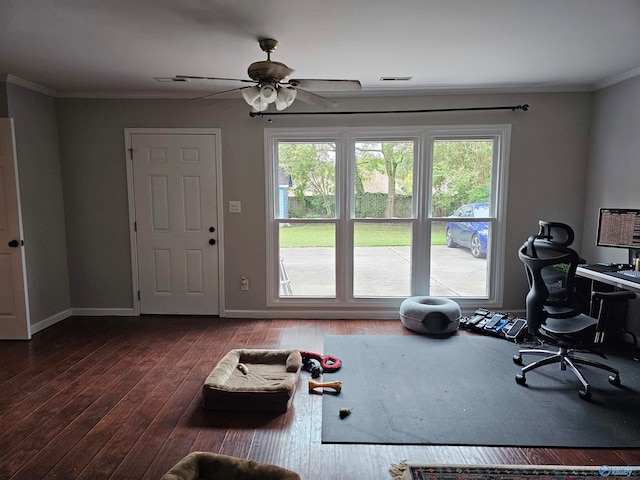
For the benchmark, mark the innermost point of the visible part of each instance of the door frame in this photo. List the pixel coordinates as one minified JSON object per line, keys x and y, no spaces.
{"x":216,"y":132}
{"x":17,"y":330}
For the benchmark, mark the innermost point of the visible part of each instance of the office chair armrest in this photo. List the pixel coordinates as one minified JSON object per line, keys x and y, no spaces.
{"x":613,"y":296}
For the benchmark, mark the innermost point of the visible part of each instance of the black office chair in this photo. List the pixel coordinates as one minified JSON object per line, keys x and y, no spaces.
{"x":551,"y":311}
{"x":565,"y":299}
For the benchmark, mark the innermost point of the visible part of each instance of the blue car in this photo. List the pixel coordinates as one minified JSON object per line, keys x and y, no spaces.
{"x":471,"y":235}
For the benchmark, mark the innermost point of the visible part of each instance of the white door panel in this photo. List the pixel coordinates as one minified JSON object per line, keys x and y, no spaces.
{"x":176,"y":216}
{"x":14,"y":311}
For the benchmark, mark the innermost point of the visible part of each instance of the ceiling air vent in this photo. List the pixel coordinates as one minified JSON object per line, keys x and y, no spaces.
{"x":170,"y":79}
{"x":395,"y":79}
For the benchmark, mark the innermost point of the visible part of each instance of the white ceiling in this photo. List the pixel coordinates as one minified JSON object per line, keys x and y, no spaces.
{"x":116,"y":47}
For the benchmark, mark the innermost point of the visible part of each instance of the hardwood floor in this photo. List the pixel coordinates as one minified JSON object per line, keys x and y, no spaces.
{"x":116,"y":397}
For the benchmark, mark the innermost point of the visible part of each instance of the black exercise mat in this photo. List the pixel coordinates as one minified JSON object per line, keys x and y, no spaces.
{"x":461,"y":391}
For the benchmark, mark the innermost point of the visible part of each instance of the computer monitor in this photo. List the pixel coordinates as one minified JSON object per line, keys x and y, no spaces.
{"x":620,"y":227}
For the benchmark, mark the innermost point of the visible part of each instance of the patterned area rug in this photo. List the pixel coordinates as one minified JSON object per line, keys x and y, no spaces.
{"x":421,"y":471}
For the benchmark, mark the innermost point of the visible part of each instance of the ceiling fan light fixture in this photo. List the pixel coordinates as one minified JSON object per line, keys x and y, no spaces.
{"x":253,"y":97}
{"x":271,"y":84}
{"x":250,"y":94}
{"x":286,"y":96}
{"x":268,"y":93}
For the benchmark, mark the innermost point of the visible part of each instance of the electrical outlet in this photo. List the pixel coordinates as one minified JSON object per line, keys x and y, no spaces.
{"x":244,"y":283}
{"x":235,"y":206}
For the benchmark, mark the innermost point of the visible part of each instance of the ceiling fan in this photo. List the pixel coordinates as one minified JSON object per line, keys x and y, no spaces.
{"x":271,"y":84}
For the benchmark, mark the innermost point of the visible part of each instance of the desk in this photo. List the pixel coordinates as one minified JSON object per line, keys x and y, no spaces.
{"x":606,"y":277}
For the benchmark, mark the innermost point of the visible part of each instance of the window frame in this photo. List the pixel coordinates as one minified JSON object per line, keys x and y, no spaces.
{"x":421,"y":218}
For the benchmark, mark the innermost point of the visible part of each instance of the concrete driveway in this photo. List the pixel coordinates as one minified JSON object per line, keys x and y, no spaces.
{"x":385,"y":271}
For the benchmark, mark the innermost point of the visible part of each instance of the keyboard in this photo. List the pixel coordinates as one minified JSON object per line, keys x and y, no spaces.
{"x":603,"y":268}
{"x":631,"y":273}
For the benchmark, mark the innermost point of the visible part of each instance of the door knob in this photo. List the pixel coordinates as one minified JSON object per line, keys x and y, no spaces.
{"x":14,"y":243}
{"x":212,"y":229}
{"x":212,"y":241}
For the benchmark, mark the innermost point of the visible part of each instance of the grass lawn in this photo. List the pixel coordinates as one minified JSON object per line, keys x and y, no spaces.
{"x":366,"y":235}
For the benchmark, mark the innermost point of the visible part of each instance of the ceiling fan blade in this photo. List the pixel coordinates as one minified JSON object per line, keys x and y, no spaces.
{"x":327,"y":85}
{"x":211,"y":95}
{"x":313,"y":99}
{"x":191,"y":77}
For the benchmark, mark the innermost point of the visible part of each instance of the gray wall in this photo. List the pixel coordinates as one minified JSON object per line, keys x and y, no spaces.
{"x":614,"y":169}
{"x":549,"y":147}
{"x":614,"y":161}
{"x":571,"y":154}
{"x":41,"y":197}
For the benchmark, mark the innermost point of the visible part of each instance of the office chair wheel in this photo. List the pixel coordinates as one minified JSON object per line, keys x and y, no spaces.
{"x":614,"y":380}
{"x":517,"y":359}
{"x":585,"y":394}
{"x":520,"y":379}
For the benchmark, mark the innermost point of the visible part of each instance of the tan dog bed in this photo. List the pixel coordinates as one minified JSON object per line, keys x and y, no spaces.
{"x":210,"y":466}
{"x":253,"y":380}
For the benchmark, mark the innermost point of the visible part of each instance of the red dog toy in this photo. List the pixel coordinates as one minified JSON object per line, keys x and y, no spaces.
{"x":327,"y":362}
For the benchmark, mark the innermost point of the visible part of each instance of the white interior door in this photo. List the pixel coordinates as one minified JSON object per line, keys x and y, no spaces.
{"x":14,"y":310}
{"x":174,"y":178}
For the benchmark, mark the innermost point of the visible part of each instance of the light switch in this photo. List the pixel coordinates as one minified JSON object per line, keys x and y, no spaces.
{"x":235,"y":206}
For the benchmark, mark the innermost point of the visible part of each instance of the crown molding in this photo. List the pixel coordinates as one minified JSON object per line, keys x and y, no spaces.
{"x":617,"y":79}
{"x":27,"y":84}
{"x":366,"y":92}
{"x":132,"y":95}
{"x":480,"y":89}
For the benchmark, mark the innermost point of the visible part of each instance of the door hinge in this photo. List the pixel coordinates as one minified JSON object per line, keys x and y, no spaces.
{"x":131,"y":153}
{"x":135,"y":226}
{"x":138,"y":294}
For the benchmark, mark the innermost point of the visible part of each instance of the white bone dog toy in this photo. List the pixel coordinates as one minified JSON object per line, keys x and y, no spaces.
{"x":337,"y":385}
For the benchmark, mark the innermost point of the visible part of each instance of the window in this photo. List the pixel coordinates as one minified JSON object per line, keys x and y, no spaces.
{"x":362,"y":217}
